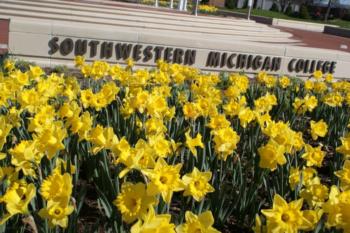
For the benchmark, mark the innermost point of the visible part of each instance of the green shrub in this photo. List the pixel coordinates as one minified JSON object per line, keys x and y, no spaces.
{"x":289,"y":10}
{"x":2,"y":59}
{"x":304,"y":12}
{"x":346,"y":15}
{"x":24,"y":65}
{"x":61,"y":69}
{"x":274,"y":7}
{"x":231,"y":4}
{"x":245,"y":4}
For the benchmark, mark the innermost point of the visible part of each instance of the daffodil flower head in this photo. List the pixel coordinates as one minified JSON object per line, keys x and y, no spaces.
{"x":271,"y":155}
{"x":57,"y":186}
{"x":285,"y":217}
{"x":197,"y":184}
{"x":313,"y":156}
{"x":164,"y":179}
{"x":226,"y":140}
{"x":344,"y":176}
{"x":17,"y":198}
{"x":154,"y":223}
{"x":318,"y":129}
{"x":201,"y":223}
{"x":133,"y":201}
{"x":57,"y":212}
{"x":192,"y":143}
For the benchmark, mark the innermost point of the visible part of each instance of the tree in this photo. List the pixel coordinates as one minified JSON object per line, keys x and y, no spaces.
{"x":195,"y":7}
{"x":304,"y":12}
{"x":231,"y":4}
{"x":283,"y":4}
{"x":255,"y":3}
{"x":328,"y":10}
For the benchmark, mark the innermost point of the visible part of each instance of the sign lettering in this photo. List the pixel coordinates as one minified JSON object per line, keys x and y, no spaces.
{"x":214,"y":59}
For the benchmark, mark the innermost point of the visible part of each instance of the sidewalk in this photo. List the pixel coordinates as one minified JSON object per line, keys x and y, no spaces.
{"x":318,"y":39}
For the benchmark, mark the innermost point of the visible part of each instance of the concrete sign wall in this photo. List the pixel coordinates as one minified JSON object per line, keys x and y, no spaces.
{"x":57,"y":43}
{"x":52,"y":32}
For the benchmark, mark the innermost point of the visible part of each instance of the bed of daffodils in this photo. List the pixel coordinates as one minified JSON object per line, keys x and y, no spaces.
{"x":207,"y":8}
{"x":171,"y":149}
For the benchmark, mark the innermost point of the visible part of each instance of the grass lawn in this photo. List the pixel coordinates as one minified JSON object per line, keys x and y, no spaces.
{"x":272,"y":14}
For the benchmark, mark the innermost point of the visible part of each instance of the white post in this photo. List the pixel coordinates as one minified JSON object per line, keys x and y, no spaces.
{"x":181,"y":3}
{"x":250,"y":4}
{"x":171,"y":4}
{"x":185,"y":5}
{"x":196,"y":11}
{"x":156,"y":3}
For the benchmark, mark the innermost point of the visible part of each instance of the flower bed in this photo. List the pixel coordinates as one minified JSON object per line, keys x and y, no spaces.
{"x":207,"y":8}
{"x":172,"y":150}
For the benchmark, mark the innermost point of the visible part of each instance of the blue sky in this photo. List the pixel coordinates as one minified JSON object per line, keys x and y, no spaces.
{"x":341,"y":2}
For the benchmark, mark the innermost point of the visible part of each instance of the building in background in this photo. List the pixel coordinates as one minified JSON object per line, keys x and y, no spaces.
{"x":295,"y":4}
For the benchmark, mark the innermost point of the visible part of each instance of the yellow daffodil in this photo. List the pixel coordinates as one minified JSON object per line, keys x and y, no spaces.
{"x":226,"y":140}
{"x":50,"y":139}
{"x":344,"y":176}
{"x":102,"y":138}
{"x":313,"y":216}
{"x":155,"y":126}
{"x":190,"y":111}
{"x":197,"y":184}
{"x":9,"y":64}
{"x":309,"y":103}
{"x":8,"y":174}
{"x":317,"y":74}
{"x":265,"y":103}
{"x":68,"y":110}
{"x":259,"y":227}
{"x":153,"y":223}
{"x":79,"y":61}
{"x":345,"y":146}
{"x":17,"y":198}
{"x":133,"y":201}
{"x":201,"y":223}
{"x":5,"y":129}
{"x":313,"y":156}
{"x":192,"y":143}
{"x":218,"y":121}
{"x":35,"y":72}
{"x":24,"y":156}
{"x":164,"y":180}
{"x":57,"y":212}
{"x":320,"y":87}
{"x":81,"y":125}
{"x":318,"y":129}
{"x":309,"y":85}
{"x":306,"y":174}
{"x":61,"y":164}
{"x":14,"y":117}
{"x":271,"y":155}
{"x":284,"y":82}
{"x":328,"y":78}
{"x":246,"y":115}
{"x":333,"y":99}
{"x":87,"y":98}
{"x":285,"y":217}
{"x":315,"y":193}
{"x":161,"y":146}
{"x":332,"y":208}
{"x":56,"y":186}
{"x":294,"y":177}
{"x":234,"y":107}
{"x":156,"y":106}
